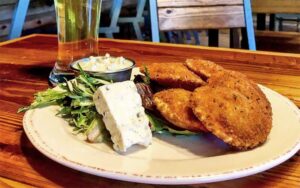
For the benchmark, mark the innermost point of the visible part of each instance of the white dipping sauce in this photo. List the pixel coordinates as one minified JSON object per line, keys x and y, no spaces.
{"x":105,"y":63}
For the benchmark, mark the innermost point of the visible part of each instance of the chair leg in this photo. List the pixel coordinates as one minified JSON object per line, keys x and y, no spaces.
{"x":272,"y":22}
{"x":276,"y":24}
{"x":180,"y":35}
{"x":154,"y":21}
{"x":115,"y":11}
{"x":197,"y":37}
{"x":137,"y":19}
{"x":249,"y":25}
{"x":213,"y":37}
{"x":140,"y":10}
{"x":234,"y":38}
{"x":18,"y":19}
{"x":261,"y":21}
{"x":188,"y":37}
{"x":137,"y":30}
{"x":170,"y":37}
{"x":114,"y":15}
{"x":280,"y":24}
{"x":109,"y":35}
{"x":244,"y":42}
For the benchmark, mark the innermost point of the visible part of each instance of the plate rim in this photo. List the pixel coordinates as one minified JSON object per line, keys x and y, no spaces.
{"x":170,"y":180}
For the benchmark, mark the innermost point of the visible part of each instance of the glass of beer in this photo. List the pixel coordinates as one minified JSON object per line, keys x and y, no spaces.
{"x":78,"y":28}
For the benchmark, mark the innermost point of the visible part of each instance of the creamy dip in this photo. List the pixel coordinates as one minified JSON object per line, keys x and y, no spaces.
{"x":105,"y":63}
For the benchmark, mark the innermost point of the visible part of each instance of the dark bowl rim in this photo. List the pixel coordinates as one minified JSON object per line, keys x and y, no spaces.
{"x":100,"y":72}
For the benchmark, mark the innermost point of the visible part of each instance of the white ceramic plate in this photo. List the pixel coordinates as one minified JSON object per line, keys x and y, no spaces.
{"x":170,"y":159}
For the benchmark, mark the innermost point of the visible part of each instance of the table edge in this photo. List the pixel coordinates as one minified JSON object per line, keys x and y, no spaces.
{"x":221,"y":49}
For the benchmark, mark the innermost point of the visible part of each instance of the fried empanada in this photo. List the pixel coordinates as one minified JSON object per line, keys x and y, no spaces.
{"x":247,"y":87}
{"x":174,"y":106}
{"x":232,"y":116}
{"x":174,"y":75}
{"x":203,"y":68}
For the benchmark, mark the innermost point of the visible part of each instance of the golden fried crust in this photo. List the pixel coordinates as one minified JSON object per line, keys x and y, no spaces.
{"x":247,"y":87}
{"x":174,"y":75}
{"x":203,"y":68}
{"x":174,"y":105}
{"x":232,"y":116}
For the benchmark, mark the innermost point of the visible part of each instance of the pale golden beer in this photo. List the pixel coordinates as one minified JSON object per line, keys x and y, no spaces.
{"x":77,"y":25}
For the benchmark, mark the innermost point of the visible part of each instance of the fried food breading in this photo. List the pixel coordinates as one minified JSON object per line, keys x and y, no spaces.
{"x":247,"y":87}
{"x":204,"y":68}
{"x":229,"y":78}
{"x":174,"y":75}
{"x":232,"y":116}
{"x":229,"y":105}
{"x":174,"y":106}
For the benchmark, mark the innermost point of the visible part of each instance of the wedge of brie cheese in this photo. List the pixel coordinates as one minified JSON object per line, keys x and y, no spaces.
{"x":123,"y":115}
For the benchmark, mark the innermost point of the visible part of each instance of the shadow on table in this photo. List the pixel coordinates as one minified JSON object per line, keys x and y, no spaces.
{"x":26,"y":72}
{"x":37,"y":72}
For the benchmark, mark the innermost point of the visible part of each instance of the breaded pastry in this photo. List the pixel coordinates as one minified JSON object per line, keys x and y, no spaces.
{"x":247,"y":87}
{"x":228,"y":78}
{"x":204,"y":68}
{"x":174,"y":75}
{"x":174,"y":106}
{"x":231,"y":116}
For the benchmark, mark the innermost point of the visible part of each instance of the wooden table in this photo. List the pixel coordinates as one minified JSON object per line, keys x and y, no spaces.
{"x":25,"y":64}
{"x":273,"y":7}
{"x":276,"y":6}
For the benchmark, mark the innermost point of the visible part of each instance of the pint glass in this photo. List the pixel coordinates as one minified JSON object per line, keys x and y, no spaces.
{"x":77,"y":27}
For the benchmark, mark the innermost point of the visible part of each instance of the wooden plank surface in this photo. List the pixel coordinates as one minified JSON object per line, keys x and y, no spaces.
{"x":190,"y":3}
{"x":201,"y":18}
{"x":276,"y":6}
{"x":278,"y":41}
{"x":7,"y":183}
{"x":7,"y":2}
{"x":26,"y":63}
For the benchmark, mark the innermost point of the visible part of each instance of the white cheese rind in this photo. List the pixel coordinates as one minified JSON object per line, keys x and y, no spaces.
{"x":123,"y":115}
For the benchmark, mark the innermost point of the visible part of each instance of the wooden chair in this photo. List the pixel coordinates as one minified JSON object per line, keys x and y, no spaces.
{"x":115,"y":19}
{"x":18,"y":19}
{"x":137,"y":19}
{"x":281,"y":18}
{"x":21,"y":8}
{"x":170,"y":15}
{"x":114,"y":16}
{"x":271,"y":39}
{"x":273,"y":7}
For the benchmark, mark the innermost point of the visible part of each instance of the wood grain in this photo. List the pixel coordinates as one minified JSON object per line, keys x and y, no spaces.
{"x":201,"y":18}
{"x":278,"y":41}
{"x":200,"y":14}
{"x":26,"y":63}
{"x":190,"y":3}
{"x":7,"y":183}
{"x":276,"y":6}
{"x":7,"y":2}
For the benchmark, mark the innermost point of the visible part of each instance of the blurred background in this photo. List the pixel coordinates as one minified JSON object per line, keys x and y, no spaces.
{"x":275,"y":30}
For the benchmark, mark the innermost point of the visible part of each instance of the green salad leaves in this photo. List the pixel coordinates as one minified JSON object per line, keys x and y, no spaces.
{"x":161,"y":126}
{"x":75,"y":99}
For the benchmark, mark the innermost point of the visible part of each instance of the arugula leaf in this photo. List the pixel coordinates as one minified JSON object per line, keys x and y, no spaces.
{"x":45,"y":98}
{"x":147,"y":76}
{"x":97,"y":132}
{"x":75,"y":99}
{"x":161,"y":126}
